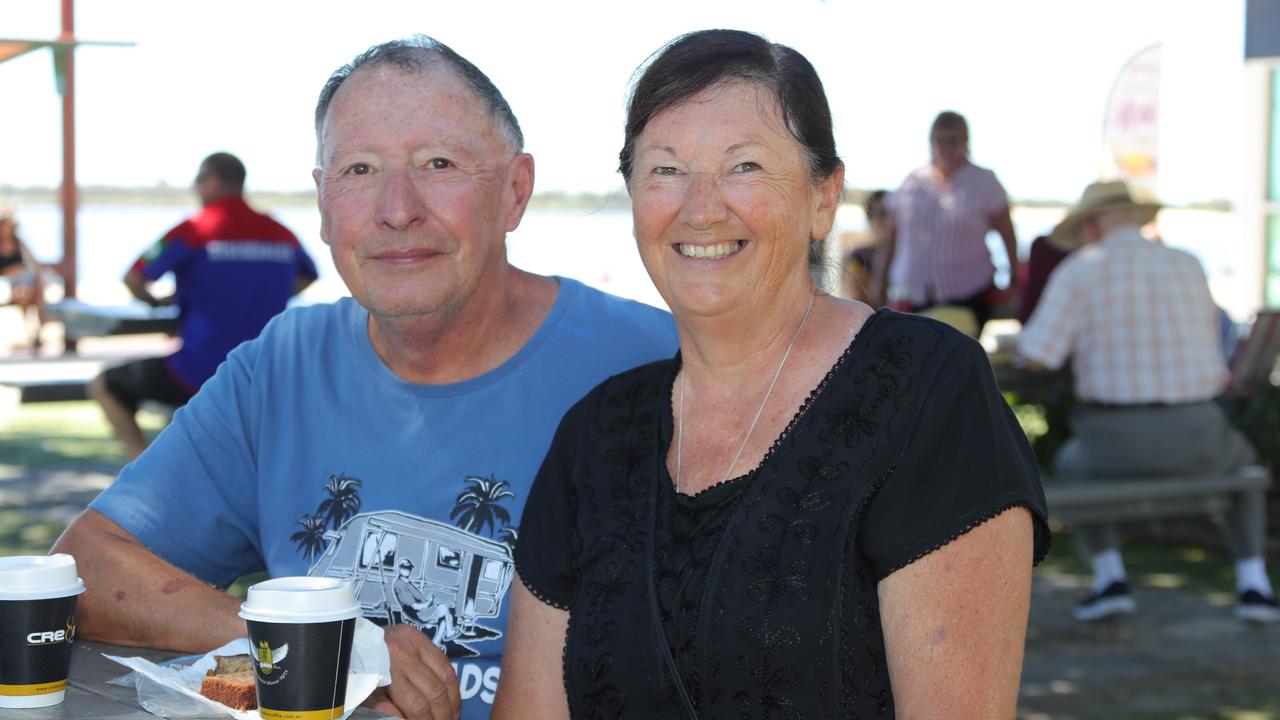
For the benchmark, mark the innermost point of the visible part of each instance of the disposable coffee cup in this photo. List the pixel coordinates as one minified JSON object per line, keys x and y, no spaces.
{"x":301,"y":630}
{"x":37,"y":627}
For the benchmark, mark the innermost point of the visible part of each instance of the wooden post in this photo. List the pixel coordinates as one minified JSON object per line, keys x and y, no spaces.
{"x":69,"y":190}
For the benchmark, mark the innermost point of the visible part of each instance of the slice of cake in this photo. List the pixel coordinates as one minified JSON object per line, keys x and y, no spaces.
{"x":231,"y":682}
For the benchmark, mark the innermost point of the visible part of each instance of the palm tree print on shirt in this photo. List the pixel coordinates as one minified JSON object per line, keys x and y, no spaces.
{"x":479,"y":505}
{"x":310,"y":538}
{"x":342,"y":504}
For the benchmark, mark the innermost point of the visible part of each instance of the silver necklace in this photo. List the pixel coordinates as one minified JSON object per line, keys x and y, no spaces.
{"x":759,"y":411}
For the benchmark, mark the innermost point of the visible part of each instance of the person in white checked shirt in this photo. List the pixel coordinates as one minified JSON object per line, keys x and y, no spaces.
{"x":1141,"y":330}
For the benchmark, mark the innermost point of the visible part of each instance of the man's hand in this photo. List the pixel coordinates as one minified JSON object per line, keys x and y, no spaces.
{"x":423,"y":684}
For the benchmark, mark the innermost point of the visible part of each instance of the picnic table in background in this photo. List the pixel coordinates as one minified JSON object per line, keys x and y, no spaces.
{"x":81,"y":320}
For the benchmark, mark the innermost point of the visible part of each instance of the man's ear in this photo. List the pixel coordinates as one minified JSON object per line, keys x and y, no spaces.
{"x":520,"y":185}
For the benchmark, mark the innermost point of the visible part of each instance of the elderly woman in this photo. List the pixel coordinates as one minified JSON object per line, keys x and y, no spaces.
{"x":814,"y":510}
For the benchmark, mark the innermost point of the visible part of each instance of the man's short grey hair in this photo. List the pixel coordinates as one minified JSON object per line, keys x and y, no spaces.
{"x":418,"y":54}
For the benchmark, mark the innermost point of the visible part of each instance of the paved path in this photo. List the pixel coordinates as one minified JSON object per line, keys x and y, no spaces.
{"x":1181,"y":655}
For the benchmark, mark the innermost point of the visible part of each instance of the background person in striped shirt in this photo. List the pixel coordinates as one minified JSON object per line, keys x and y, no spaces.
{"x":937,"y":254}
{"x":1141,"y":329}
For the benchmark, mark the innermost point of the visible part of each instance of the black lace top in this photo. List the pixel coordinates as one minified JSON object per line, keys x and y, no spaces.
{"x":756,"y":598}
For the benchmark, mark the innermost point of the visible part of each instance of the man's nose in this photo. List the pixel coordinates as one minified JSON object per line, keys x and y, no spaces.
{"x":703,"y":202}
{"x":402,"y":202}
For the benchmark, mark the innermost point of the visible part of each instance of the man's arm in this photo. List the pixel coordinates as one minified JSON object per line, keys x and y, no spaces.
{"x":1002,"y":222}
{"x":133,"y":597}
{"x":139,"y":287}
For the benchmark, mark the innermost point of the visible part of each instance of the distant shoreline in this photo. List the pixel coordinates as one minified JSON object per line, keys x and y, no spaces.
{"x":169,"y":196}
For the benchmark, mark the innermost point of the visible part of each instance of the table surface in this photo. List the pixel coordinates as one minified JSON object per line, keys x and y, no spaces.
{"x":89,"y":695}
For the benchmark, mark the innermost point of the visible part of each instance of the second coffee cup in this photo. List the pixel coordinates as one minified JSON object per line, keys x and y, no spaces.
{"x":37,"y":626}
{"x":301,"y":630}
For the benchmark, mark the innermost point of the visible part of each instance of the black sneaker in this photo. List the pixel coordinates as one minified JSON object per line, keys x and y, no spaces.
{"x":1257,"y":608}
{"x":1114,"y":599}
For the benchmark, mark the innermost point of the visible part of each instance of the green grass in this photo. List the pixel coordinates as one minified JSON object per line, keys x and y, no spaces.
{"x":42,"y":435}
{"x":1201,"y":568}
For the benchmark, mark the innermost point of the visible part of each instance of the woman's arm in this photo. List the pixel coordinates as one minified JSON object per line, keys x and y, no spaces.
{"x":532,"y":680}
{"x":955,"y":622}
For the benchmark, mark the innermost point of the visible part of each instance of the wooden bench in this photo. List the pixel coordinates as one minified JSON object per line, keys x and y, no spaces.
{"x":1113,"y":500}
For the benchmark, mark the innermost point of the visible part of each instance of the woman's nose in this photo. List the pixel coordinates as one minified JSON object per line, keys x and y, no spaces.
{"x":703,"y":203}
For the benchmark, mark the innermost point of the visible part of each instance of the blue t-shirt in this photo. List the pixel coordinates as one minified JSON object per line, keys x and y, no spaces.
{"x":304,"y":455}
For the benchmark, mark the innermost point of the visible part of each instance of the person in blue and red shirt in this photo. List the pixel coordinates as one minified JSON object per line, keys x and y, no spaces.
{"x":234,"y":269}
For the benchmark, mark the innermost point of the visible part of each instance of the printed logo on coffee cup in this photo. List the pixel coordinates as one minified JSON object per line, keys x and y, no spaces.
{"x":35,"y":645}
{"x":66,"y":635}
{"x":301,"y":668}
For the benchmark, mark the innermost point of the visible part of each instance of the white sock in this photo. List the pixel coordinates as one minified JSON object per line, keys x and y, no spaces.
{"x":1251,"y":574}
{"x":1108,"y":567}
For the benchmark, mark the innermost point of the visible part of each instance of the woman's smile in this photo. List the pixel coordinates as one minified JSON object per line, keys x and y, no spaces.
{"x":718,"y":251}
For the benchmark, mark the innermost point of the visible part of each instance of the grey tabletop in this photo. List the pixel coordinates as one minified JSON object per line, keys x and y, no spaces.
{"x":89,"y":695}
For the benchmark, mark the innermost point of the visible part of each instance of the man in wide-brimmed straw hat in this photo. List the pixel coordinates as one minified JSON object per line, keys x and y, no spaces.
{"x":1140,"y":327}
{"x":1100,"y":197}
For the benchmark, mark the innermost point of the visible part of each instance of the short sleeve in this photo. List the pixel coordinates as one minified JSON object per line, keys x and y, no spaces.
{"x":544,"y":551}
{"x":966,"y":461}
{"x":166,"y":254}
{"x":994,"y":197}
{"x":191,"y":498}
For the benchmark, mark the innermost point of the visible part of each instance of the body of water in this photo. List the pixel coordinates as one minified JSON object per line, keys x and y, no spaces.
{"x":595,"y":247}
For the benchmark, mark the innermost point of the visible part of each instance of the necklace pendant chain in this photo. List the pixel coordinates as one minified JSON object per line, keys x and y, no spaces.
{"x":759,"y":411}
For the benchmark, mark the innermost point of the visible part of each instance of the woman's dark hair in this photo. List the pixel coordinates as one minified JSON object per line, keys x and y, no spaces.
{"x":699,"y":60}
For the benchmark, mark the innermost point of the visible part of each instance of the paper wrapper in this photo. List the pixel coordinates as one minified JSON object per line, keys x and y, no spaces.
{"x":173,"y":691}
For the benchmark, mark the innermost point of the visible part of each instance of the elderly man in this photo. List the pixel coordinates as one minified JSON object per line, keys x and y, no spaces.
{"x":1138,"y":322}
{"x":350,"y":435}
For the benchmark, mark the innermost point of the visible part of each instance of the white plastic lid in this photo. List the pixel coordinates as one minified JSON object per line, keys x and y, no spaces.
{"x":300,"y":600}
{"x":38,"y":577}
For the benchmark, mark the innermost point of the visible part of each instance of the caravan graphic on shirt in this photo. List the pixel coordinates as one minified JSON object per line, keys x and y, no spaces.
{"x":444,"y":580}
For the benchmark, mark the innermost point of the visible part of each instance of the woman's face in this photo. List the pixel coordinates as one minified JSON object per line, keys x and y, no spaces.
{"x":723,"y":203}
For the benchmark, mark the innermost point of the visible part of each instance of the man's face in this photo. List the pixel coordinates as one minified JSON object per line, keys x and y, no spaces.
{"x":417,"y":188}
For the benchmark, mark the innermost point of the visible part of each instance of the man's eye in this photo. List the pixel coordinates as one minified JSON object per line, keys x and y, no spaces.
{"x":439,"y":164}
{"x":665,"y":170}
{"x":359,"y":169}
{"x":745,"y":167}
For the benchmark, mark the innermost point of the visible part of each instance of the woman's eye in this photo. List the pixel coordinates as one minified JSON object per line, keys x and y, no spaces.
{"x":744,"y":167}
{"x":439,"y":164}
{"x":665,"y":170}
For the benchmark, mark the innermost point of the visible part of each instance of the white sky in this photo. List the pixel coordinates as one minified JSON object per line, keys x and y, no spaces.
{"x":242,"y":75}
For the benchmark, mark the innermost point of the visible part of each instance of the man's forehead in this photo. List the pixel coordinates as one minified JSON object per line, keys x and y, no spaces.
{"x":439,"y":92}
